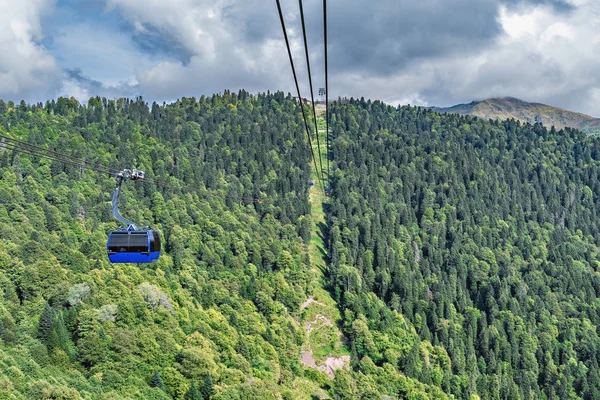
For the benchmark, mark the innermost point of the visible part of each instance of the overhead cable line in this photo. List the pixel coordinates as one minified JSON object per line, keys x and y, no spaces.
{"x":326,"y":90}
{"x":59,"y":155}
{"x":312,"y":96}
{"x":37,"y":151}
{"x":287,"y":43}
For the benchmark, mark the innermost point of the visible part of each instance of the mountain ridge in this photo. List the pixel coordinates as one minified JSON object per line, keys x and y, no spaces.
{"x":528,"y":112}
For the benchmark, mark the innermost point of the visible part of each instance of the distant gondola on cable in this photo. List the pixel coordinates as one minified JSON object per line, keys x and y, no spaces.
{"x":130,"y":244}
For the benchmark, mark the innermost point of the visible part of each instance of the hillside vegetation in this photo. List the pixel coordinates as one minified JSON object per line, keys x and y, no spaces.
{"x":458,"y":258}
{"x":506,"y":108}
{"x":220,"y":314}
{"x":484,"y":236}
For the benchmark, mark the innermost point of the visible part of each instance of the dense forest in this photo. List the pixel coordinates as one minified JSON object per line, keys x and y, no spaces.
{"x":218,"y":315}
{"x":483,"y":235}
{"x":463,"y":254}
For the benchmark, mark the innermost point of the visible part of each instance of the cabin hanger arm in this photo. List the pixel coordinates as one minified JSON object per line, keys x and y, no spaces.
{"x":126,"y":174}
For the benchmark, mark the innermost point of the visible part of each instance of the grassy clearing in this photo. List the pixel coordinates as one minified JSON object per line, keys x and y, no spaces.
{"x":323,"y":315}
{"x":317,"y":199}
{"x":326,"y":338}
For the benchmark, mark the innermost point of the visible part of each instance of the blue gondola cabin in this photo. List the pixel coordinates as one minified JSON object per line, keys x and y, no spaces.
{"x":133,"y":246}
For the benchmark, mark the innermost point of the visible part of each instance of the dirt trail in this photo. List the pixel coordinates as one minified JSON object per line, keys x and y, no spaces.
{"x":329,"y":366}
{"x":311,"y":299}
{"x":331,"y":363}
{"x":311,"y":326}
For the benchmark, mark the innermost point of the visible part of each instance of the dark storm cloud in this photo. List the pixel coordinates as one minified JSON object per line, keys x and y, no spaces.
{"x":393,"y":33}
{"x":376,"y":37}
{"x":381,"y":37}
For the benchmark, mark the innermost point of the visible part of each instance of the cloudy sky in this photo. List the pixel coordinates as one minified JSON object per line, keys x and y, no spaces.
{"x":426,"y":52}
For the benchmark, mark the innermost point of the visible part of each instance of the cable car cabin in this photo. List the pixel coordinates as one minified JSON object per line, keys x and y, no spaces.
{"x":126,"y":246}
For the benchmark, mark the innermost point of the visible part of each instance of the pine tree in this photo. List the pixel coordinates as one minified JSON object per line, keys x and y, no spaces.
{"x":45,"y":324}
{"x":156,"y":381}
{"x":193,"y":393}
{"x":9,"y":329}
{"x":52,"y":340}
{"x":62,"y":335}
{"x":207,"y":389}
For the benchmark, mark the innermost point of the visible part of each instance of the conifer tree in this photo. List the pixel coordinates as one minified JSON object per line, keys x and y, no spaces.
{"x":156,"y":381}
{"x":207,"y":388}
{"x":45,"y":324}
{"x":63,"y":339}
{"x":193,"y":392}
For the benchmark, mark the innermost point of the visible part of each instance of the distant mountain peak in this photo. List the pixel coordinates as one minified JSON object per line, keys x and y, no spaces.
{"x":511,"y":107}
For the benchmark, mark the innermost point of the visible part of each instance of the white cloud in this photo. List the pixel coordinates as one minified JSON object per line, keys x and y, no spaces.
{"x":27,"y":70}
{"x":544,"y":55}
{"x":107,"y":56}
{"x":397,"y":51}
{"x":72,"y":88}
{"x":220,"y":52}
{"x":196,"y":24}
{"x":235,"y":70}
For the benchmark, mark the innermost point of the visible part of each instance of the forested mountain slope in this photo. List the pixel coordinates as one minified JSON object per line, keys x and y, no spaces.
{"x":483,"y":235}
{"x":218,"y":315}
{"x":463,"y":254}
{"x":215,"y":306}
